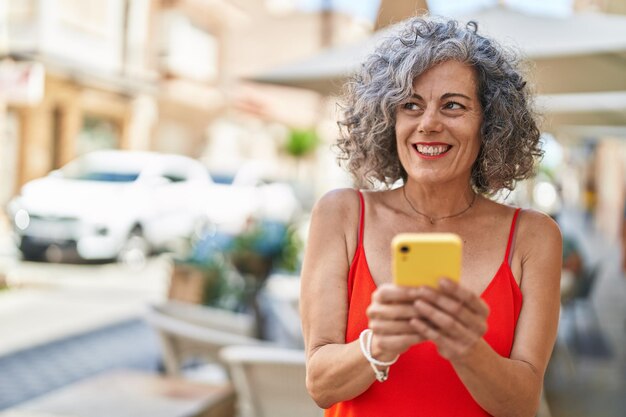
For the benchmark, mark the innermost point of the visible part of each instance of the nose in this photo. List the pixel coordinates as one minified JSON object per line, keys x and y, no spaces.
{"x":429,"y":122}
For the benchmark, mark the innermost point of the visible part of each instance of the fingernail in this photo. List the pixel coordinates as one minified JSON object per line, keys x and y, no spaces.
{"x":445,"y":282}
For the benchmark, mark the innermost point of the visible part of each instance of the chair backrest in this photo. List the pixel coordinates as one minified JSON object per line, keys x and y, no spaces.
{"x":586,"y":283}
{"x":192,"y":332}
{"x":270,"y":381}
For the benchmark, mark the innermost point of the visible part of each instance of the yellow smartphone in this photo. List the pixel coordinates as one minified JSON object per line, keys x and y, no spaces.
{"x":423,"y":258}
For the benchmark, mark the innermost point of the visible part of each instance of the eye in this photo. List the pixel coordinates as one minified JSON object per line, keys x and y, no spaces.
{"x":410,"y":106}
{"x":453,"y":105}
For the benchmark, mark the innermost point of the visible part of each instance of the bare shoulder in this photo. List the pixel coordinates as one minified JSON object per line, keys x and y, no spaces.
{"x":340,"y":202}
{"x":538,"y":228}
{"x":539,"y":239}
{"x":336,"y":214}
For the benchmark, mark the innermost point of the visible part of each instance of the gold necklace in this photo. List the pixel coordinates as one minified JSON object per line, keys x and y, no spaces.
{"x":434,"y":219}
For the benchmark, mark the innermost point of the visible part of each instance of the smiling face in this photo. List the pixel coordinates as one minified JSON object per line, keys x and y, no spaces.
{"x":438,"y":127}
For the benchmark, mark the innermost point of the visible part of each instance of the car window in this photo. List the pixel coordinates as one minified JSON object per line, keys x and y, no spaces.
{"x":174,"y":177}
{"x":103,"y":168}
{"x":104,"y":176}
{"x":174,"y":172}
{"x":108,"y":176}
{"x":220,"y":178}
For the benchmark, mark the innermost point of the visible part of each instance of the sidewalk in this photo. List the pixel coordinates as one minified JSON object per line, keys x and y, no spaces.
{"x":55,"y":330}
{"x":32,"y":372}
{"x":32,"y":317}
{"x":8,"y":251}
{"x":49,"y":302}
{"x":60,"y":323}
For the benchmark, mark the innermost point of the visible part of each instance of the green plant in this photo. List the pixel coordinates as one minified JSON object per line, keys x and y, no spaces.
{"x":301,"y":142}
{"x":289,"y":259}
{"x":3,"y":282}
{"x":221,"y":288}
{"x":267,"y":245}
{"x":255,"y":252}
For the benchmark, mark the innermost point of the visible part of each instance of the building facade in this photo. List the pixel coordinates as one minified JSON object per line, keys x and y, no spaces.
{"x":147,"y":74}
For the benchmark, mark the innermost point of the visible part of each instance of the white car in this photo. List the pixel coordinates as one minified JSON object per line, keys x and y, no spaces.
{"x":111,"y":204}
{"x":234,"y":200}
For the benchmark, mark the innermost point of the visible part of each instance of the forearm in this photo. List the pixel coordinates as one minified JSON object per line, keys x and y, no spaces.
{"x":338,"y":372}
{"x":502,"y":386}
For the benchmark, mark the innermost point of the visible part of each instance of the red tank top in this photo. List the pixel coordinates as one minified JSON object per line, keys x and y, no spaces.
{"x":422,"y":383}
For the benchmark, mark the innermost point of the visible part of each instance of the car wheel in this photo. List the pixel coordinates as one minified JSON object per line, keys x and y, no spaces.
{"x":135,"y":251}
{"x":32,"y":255}
{"x":31,"y":252}
{"x":54,"y":254}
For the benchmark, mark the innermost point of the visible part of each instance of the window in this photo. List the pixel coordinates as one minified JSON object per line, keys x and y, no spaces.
{"x":21,"y":11}
{"x":97,"y":133}
{"x":187,"y":50}
{"x":91,"y":16}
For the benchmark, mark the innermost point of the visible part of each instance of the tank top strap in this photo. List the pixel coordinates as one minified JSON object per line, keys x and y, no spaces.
{"x":361,"y":219}
{"x":509,"y":246}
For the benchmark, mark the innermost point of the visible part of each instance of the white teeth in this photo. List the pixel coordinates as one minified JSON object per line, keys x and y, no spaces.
{"x":431,"y":150}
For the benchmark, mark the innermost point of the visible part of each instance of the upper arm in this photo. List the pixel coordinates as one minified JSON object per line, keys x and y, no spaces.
{"x":323,"y":293}
{"x":540,"y":243}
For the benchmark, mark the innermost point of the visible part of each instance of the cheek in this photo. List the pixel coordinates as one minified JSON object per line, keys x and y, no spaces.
{"x":403,"y":134}
{"x":472,"y":139}
{"x":474,"y":151}
{"x":401,"y":142}
{"x":402,"y":152}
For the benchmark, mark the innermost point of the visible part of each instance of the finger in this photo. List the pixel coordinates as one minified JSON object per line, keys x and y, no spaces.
{"x":451,"y":304}
{"x":397,"y":343}
{"x":445,"y":339}
{"x":439,"y":320}
{"x":446,"y":345}
{"x":449,"y":346}
{"x":391,"y":327}
{"x":443,"y":301}
{"x":428,"y":331}
{"x":458,"y":310}
{"x":440,"y":324}
{"x":390,"y":293}
{"x":465,"y":296}
{"x":390,"y":311}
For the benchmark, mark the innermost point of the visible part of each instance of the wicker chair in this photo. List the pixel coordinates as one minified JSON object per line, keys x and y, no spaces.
{"x":270,"y":381}
{"x":192,"y":336}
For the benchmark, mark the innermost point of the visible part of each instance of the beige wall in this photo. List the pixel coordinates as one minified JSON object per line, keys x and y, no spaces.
{"x":610,"y":187}
{"x":393,"y":11}
{"x":265,"y":43}
{"x":572,"y":74}
{"x":607,"y":6}
{"x":37,"y":148}
{"x":616,"y":6}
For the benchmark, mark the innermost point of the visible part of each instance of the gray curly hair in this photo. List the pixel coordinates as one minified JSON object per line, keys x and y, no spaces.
{"x":510,"y":143}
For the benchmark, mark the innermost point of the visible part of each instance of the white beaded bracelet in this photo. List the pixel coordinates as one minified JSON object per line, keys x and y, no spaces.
{"x":365,"y":341}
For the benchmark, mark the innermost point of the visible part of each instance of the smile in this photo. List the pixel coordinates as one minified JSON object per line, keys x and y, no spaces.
{"x":432,"y":149}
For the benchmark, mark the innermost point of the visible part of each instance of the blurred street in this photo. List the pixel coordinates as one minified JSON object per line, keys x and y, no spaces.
{"x":587,"y":372}
{"x":56,"y":300}
{"x":64,"y":322}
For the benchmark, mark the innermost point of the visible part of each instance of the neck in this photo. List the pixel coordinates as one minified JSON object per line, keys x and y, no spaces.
{"x":438,"y":203}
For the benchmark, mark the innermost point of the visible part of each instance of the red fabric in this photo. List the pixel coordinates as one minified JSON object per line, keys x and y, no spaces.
{"x":422,"y":383}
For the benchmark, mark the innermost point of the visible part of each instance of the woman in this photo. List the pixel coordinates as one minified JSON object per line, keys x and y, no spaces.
{"x":445,"y":111}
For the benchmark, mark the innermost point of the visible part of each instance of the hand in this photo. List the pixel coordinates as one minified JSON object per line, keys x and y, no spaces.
{"x":454,"y":318}
{"x":390,"y":314}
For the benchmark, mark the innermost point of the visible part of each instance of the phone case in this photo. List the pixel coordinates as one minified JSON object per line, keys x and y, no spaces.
{"x":423,"y":258}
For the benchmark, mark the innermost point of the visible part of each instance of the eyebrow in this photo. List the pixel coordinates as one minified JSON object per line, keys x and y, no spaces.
{"x":445,"y":96}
